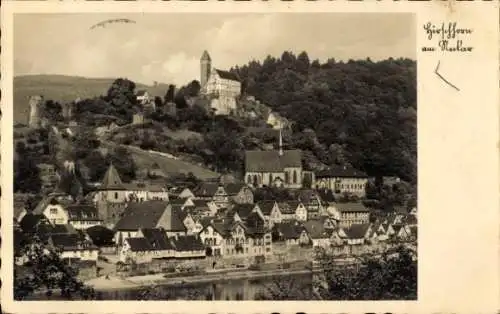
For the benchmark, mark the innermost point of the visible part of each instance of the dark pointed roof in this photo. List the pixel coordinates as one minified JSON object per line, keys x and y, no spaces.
{"x":142,"y":215}
{"x":270,"y":161}
{"x":112,"y":180}
{"x":205,"y":56}
{"x":227,"y":75}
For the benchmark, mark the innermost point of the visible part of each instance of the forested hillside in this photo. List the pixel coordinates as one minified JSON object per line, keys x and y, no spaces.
{"x":361,"y":112}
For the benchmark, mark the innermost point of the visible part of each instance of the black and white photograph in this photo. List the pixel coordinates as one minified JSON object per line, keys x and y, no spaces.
{"x":215,"y":156}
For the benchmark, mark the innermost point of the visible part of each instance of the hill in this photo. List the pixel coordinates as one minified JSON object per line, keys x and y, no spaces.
{"x":62,"y":88}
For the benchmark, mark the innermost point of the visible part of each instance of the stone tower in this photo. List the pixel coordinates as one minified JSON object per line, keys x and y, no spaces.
{"x":35,"y":111}
{"x":205,"y":67}
{"x":67,"y":111}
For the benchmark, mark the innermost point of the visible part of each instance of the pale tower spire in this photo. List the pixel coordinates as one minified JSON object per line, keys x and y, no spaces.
{"x":205,"y":67}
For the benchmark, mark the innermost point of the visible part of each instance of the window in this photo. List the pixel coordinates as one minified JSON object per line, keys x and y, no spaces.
{"x":116,"y":195}
{"x":287,"y":177}
{"x":53,"y":211}
{"x":294,"y":176}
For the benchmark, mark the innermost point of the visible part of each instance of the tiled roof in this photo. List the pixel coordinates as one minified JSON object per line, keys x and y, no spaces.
{"x":289,"y":230}
{"x":46,"y":201}
{"x":285,"y":207}
{"x":112,"y":180}
{"x":187,"y":243}
{"x":143,"y":215}
{"x":233,"y":188}
{"x":70,"y":242}
{"x":227,"y":75}
{"x":341,"y":172}
{"x":82,"y":212}
{"x":271,"y":161}
{"x":316,"y":229}
{"x":143,"y":186}
{"x":357,"y":231}
{"x":138,"y":244}
{"x":157,"y":239}
{"x":266,"y":207}
{"x":292,"y":205}
{"x":206,"y":189}
{"x":243,"y":210}
{"x":351,"y":207}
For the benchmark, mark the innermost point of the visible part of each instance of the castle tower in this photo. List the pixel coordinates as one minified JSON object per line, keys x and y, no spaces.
{"x":67,"y":111}
{"x":205,"y":67}
{"x":35,"y":111}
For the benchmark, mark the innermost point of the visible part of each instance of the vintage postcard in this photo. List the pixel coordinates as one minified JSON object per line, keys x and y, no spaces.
{"x":246,"y":152}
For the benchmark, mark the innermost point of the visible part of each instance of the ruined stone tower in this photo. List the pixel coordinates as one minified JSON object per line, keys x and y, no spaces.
{"x":205,"y":67}
{"x":67,"y":111}
{"x":36,"y":110}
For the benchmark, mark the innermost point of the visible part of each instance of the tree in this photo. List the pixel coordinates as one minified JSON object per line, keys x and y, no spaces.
{"x":123,"y":162}
{"x":121,"y":95}
{"x":169,"y":96}
{"x":26,"y":173}
{"x":84,"y":143}
{"x":392,"y":276}
{"x":96,"y":164}
{"x":45,"y":271}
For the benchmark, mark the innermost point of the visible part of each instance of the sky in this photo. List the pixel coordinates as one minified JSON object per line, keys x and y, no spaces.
{"x":167,"y":47}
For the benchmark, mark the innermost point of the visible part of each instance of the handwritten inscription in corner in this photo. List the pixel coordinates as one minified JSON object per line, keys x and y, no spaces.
{"x":447,"y":37}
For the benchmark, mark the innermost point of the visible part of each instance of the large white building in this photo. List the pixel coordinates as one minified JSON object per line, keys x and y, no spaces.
{"x":222,"y":87}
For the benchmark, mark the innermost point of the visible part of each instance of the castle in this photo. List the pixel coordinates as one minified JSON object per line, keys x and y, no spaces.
{"x":37,"y":117}
{"x":222,"y":87}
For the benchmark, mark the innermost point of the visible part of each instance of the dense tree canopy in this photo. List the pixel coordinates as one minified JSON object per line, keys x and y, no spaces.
{"x":365,"y":109}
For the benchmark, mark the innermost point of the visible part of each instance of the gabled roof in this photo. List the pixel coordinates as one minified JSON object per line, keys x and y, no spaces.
{"x":292,"y":207}
{"x":357,"y":231}
{"x":271,"y":161}
{"x":316,"y":229}
{"x":266,"y":207}
{"x":243,"y":210}
{"x":138,"y":244}
{"x":200,"y":203}
{"x":143,"y":215}
{"x":206,"y":189}
{"x":351,"y":207}
{"x":187,"y":243}
{"x":46,"y":201}
{"x":157,"y":239}
{"x":227,"y":75}
{"x":82,"y":212}
{"x":112,"y":180}
{"x":341,"y":172}
{"x":289,"y":229}
{"x":70,"y":242}
{"x":233,"y":188}
{"x":286,"y":209}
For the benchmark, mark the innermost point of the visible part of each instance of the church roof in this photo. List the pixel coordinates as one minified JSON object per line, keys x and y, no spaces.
{"x":112,"y":180}
{"x":227,"y":75}
{"x":271,"y":161}
{"x":206,"y":56}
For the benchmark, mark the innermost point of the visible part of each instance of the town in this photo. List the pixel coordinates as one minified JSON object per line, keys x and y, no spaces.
{"x":272,"y":218}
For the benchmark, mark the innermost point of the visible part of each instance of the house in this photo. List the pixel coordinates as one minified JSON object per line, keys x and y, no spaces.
{"x":188,"y":247}
{"x":73,"y":247}
{"x":143,"y":97}
{"x":83,"y":216}
{"x":54,"y":209}
{"x":212,"y":237}
{"x":342,"y":180}
{"x":291,"y":233}
{"x":145,"y":191}
{"x":223,"y":86}
{"x":357,"y":234}
{"x":352,"y":213}
{"x":244,"y":210}
{"x":149,"y":215}
{"x":401,"y":232}
{"x":263,"y":168}
{"x":300,"y":211}
{"x":313,"y":202}
{"x":187,"y":220}
{"x":239,"y":193}
{"x":148,"y":245}
{"x":270,"y":209}
{"x":288,"y":210}
{"x":212,"y":191}
{"x":186,"y":193}
{"x":317,"y":232}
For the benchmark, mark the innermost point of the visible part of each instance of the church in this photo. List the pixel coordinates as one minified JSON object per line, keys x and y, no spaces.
{"x":222,"y":87}
{"x":279,"y":168}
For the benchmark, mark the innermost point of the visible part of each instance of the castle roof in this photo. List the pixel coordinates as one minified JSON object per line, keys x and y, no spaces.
{"x":206,"y":56}
{"x":112,"y":180}
{"x":271,"y":161}
{"x":227,"y":75}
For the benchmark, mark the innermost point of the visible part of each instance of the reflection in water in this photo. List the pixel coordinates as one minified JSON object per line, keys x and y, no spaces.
{"x":245,"y":289}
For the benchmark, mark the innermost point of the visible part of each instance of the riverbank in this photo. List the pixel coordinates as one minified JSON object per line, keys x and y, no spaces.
{"x":114,"y":283}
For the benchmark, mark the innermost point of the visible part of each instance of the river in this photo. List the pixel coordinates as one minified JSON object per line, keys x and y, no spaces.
{"x":238,"y":289}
